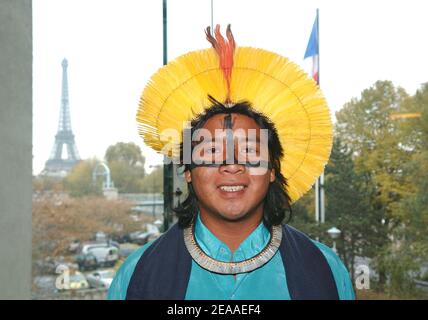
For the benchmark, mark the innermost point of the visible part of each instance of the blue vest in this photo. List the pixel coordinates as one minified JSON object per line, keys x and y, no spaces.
{"x":163,"y":271}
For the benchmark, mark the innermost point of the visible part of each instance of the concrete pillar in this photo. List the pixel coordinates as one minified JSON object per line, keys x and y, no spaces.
{"x":15,"y":148}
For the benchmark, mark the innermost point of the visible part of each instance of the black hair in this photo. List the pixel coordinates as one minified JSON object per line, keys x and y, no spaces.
{"x":277,"y":202}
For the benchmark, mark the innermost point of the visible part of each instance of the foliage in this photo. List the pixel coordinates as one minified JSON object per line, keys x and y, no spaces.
{"x":348,"y":206}
{"x":126,"y":165}
{"x":79,"y":183}
{"x":45,"y":183}
{"x":57,"y":221}
{"x":153,"y":182}
{"x":390,"y":164}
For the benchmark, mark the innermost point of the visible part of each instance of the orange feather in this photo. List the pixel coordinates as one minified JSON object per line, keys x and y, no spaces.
{"x":225,"y":51}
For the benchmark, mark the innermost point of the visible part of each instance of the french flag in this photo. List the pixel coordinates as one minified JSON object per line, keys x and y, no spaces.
{"x":312,"y":50}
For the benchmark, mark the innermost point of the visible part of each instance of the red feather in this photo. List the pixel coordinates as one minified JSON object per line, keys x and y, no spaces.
{"x":225,"y":50}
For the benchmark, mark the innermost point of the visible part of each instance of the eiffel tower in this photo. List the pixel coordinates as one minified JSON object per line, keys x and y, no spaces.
{"x":57,"y":166}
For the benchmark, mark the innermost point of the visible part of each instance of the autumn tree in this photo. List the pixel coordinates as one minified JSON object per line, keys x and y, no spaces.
{"x":57,"y":222}
{"x":153,"y":182}
{"x":405,"y":259}
{"x":385,"y":148}
{"x":79,"y":181}
{"x":126,"y":164}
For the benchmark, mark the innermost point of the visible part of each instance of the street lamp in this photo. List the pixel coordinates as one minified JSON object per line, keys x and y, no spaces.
{"x":334,"y":233}
{"x":153,"y":191}
{"x":178,"y":193}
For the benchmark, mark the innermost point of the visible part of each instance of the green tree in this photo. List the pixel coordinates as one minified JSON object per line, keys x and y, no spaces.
{"x":348,"y":206}
{"x":415,"y":207}
{"x":79,"y":182}
{"x":365,"y":126}
{"x":126,"y":165}
{"x":127,"y":153}
{"x":405,"y":259}
{"x":390,"y":154}
{"x":153,"y":182}
{"x":303,"y":217}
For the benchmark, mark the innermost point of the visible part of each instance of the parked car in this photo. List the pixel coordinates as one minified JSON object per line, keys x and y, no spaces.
{"x":121,"y":238}
{"x":139,"y":237}
{"x":86,"y":261}
{"x":101,"y":278}
{"x":96,"y":255}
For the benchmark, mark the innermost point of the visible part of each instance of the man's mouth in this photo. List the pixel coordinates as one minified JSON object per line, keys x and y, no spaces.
{"x":235,"y":188}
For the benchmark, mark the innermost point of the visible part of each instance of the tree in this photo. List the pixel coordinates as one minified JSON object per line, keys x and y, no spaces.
{"x":153,"y":183}
{"x":45,"y":183}
{"x":303,"y":218}
{"x":348,"y":206}
{"x":365,"y":125}
{"x":59,"y":221}
{"x":411,"y":252}
{"x":79,"y":181}
{"x":127,"y":153}
{"x":389,"y":153}
{"x":126,"y":165}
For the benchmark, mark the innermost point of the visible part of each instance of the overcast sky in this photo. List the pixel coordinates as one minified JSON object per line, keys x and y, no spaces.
{"x":113,"y":47}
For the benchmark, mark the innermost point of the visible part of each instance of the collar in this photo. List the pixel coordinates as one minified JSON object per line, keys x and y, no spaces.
{"x":218,"y":250}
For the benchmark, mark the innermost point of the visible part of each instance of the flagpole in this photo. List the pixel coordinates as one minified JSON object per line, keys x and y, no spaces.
{"x":167,"y":167}
{"x":319,"y":184}
{"x":318,"y":46}
{"x":212,"y":16}
{"x":321,"y":178}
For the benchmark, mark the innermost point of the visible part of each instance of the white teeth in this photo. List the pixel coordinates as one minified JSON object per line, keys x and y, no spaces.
{"x":231,"y":188}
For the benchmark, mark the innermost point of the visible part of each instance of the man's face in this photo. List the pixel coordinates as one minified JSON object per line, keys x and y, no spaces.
{"x":231,"y":191}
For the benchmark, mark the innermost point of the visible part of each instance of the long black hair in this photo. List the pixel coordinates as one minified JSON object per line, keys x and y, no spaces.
{"x":277,"y":201}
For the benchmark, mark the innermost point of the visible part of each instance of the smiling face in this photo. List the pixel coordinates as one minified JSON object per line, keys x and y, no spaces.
{"x":233,"y":191}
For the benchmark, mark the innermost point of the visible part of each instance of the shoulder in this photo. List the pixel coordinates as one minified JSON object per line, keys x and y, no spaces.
{"x":340,"y":273}
{"x":119,"y":285}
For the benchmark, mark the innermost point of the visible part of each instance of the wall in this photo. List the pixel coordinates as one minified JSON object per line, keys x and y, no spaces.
{"x":15,"y":148}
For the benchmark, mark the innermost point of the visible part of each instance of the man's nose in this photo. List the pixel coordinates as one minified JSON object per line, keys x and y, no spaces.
{"x":232,"y":168}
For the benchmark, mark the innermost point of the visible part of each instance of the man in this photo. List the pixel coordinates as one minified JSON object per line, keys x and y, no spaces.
{"x":246,"y":159}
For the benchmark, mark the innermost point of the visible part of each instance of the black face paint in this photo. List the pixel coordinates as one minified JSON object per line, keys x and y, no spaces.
{"x":230,"y":152}
{"x":259,"y":164}
{"x":227,"y":126}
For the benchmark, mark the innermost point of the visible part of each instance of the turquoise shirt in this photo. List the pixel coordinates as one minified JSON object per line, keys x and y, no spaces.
{"x":266,"y":282}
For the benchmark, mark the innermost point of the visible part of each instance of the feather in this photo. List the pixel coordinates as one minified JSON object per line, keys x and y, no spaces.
{"x":225,"y":51}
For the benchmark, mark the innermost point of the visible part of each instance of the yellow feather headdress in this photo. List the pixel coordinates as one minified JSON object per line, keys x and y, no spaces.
{"x":274,"y":86}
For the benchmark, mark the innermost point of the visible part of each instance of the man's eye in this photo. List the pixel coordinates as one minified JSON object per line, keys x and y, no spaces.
{"x":212,"y":150}
{"x":250,"y":150}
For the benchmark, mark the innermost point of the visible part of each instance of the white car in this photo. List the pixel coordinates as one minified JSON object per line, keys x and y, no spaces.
{"x":100,"y":278}
{"x":106,"y":255}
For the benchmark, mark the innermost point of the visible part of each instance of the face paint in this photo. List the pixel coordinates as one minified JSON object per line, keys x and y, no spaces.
{"x":230,"y":154}
{"x":210,"y":152}
{"x":259,"y":164}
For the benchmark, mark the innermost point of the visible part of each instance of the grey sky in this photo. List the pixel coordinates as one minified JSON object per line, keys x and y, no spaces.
{"x":114,"y":46}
